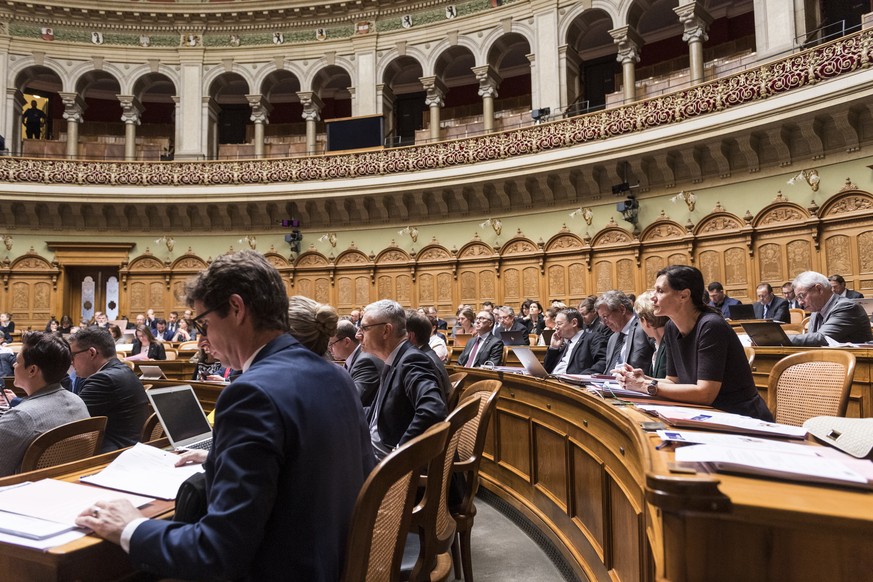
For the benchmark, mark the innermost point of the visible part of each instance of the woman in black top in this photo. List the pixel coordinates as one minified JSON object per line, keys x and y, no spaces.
{"x":706,"y":363}
{"x":146,"y":343}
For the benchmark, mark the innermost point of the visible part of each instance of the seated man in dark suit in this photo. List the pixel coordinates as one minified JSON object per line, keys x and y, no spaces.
{"x":161,"y":333}
{"x":409,"y":400}
{"x":507,"y":322}
{"x":572,"y":351}
{"x":719,"y":299}
{"x":834,"y":319}
{"x":838,"y":284}
{"x":790,"y":297}
{"x":768,"y":306}
{"x":290,"y":448}
{"x":485,"y":346}
{"x":629,"y":344}
{"x":365,"y":369}
{"x":418,"y":329}
{"x":108,"y":387}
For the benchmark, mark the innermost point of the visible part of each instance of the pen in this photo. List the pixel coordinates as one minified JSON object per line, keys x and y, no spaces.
{"x":662,"y":445}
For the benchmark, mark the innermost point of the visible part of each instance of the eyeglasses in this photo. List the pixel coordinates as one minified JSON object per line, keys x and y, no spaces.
{"x":77,"y":352}
{"x":330,"y":344}
{"x":202,"y":327}
{"x":369,"y":325}
{"x":483,"y":319}
{"x":801,"y":295}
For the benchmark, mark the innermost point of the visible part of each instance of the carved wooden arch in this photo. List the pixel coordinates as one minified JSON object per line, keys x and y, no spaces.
{"x":718,"y":222}
{"x":476,"y":249}
{"x":277,"y":259}
{"x":145,"y":262}
{"x":564,"y":241}
{"x":188,"y":263}
{"x":353,"y":257}
{"x":779,"y":213}
{"x":520,"y":245}
{"x":393,"y":255}
{"x":434,"y":252}
{"x":33,"y":263}
{"x":612,"y":235}
{"x":311,"y":258}
{"x":663,"y":229}
{"x":847,"y":202}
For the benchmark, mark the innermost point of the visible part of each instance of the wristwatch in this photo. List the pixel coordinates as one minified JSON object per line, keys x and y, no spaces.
{"x":652,"y":387}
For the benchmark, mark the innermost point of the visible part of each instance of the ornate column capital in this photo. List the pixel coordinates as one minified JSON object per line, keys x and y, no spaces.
{"x":74,"y":107}
{"x":696,"y":21}
{"x":489,"y":80}
{"x":436,"y":91}
{"x":629,"y":44}
{"x":312,"y":105}
{"x":261,"y":108}
{"x":131,"y":109}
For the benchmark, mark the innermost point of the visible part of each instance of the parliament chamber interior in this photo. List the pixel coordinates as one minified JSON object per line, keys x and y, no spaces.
{"x":440,"y":154}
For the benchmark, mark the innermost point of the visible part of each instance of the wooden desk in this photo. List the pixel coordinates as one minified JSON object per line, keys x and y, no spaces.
{"x":176,"y":369}
{"x":88,"y":558}
{"x":585,"y":474}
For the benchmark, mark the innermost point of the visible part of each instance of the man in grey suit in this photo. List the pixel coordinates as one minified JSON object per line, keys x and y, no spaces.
{"x":629,"y":344}
{"x":768,"y":306}
{"x":485,"y":347}
{"x":365,"y":369}
{"x":39,"y":367}
{"x":834,"y":318}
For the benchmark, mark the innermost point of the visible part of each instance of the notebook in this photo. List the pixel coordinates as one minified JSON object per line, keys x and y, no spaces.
{"x":766,"y":333}
{"x":514,"y":337}
{"x":151,"y":373}
{"x":530,"y":362}
{"x":181,"y":416}
{"x":742,"y":311}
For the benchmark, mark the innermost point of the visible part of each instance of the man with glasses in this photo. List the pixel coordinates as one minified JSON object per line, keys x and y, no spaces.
{"x":108,"y":387}
{"x":628,"y":344}
{"x":572,"y":351}
{"x":409,"y":400}
{"x":506,"y":322}
{"x":290,"y":448}
{"x":365,"y":369}
{"x":485,"y":347}
{"x":834,"y":319}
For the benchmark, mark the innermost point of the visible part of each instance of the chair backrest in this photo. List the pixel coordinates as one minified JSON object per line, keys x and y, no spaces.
{"x":472,"y":439}
{"x":172,"y":354}
{"x":796,"y":315}
{"x":152,"y":429}
{"x":129,"y":363}
{"x":457,"y":384}
{"x":187,"y":346}
{"x":750,"y":354}
{"x":810,"y":383}
{"x":383,"y":510}
{"x":69,"y":442}
{"x":432,"y":516}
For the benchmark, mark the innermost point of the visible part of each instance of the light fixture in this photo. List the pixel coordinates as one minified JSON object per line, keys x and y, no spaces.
{"x":494,"y":223}
{"x":688,"y":197}
{"x":330,"y":237}
{"x":587,"y":214}
{"x":166,"y":240}
{"x":811,"y":177}
{"x":251,"y":240}
{"x":7,"y":240}
{"x":411,"y":231}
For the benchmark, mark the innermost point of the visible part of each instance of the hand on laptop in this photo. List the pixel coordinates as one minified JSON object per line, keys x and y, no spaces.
{"x":195,"y":457}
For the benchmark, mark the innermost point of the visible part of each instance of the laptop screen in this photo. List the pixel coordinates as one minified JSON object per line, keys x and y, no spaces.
{"x":180,"y":413}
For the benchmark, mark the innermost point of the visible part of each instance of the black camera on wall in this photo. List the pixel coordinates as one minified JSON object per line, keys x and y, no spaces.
{"x":628,"y":205}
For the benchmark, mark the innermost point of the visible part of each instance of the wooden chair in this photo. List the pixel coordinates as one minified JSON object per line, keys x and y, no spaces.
{"x":188,"y":346}
{"x":750,"y":354}
{"x":152,"y":429}
{"x":431,"y":518}
{"x":130,"y":364}
{"x":383,"y":510}
{"x":172,"y":354}
{"x":470,"y":447}
{"x":69,"y":442}
{"x":457,"y":382}
{"x":810,"y":383}
{"x":796,"y":315}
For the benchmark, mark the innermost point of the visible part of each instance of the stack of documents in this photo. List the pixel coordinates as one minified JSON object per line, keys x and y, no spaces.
{"x":709,"y":419}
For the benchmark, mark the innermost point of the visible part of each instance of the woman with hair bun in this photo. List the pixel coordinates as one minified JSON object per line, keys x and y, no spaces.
{"x":312,"y":323}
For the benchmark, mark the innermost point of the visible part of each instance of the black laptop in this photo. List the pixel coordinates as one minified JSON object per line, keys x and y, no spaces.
{"x":742,"y":311}
{"x":766,"y":333}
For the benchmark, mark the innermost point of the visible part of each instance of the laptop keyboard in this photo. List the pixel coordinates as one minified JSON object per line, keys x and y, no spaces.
{"x":202,"y":445}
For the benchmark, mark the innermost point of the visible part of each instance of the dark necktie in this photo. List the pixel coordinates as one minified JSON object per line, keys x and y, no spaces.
{"x":817,"y":323}
{"x":616,"y":356}
{"x":471,"y":359}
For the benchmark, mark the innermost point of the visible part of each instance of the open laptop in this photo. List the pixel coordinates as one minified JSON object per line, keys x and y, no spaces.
{"x":766,"y":333}
{"x":151,"y":373}
{"x":742,"y":311}
{"x":181,"y":416}
{"x":530,"y":362}
{"x":514,"y":338}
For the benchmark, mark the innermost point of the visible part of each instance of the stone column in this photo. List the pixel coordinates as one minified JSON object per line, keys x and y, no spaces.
{"x":775,"y":27}
{"x":14,"y":104}
{"x":74,"y":110}
{"x":261,"y":116}
{"x":131,"y":110}
{"x":211,"y":113}
{"x":191,"y":116}
{"x":312,"y":105}
{"x":629,"y":43}
{"x":436,"y":93}
{"x":696,"y":21}
{"x":489,"y":81}
{"x":385,"y":107}
{"x":569,"y":75}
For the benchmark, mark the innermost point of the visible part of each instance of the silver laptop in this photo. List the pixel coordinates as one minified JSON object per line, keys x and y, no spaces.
{"x":151,"y":373}
{"x":530,"y":362}
{"x":182,"y":417}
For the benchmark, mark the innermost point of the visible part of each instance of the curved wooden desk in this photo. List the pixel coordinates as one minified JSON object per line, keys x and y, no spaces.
{"x":585,"y":473}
